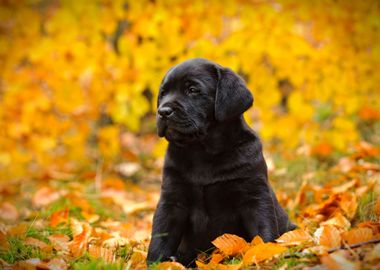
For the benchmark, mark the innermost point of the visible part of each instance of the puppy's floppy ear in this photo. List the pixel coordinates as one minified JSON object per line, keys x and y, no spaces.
{"x":232,"y":96}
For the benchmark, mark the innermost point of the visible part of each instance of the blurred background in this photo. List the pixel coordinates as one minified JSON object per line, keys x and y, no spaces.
{"x":79,"y":79}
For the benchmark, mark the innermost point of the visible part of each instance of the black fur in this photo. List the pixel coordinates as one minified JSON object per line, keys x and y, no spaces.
{"x":215,"y":175}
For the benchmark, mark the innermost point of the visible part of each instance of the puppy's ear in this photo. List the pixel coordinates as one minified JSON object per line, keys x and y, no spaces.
{"x":232,"y":95}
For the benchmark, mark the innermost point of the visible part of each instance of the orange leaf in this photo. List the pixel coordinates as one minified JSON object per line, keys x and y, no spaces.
{"x":339,"y":221}
{"x":170,"y":266}
{"x":216,"y":258}
{"x":348,"y":203}
{"x":79,"y":243}
{"x":107,"y":254}
{"x":328,"y":236}
{"x":58,"y":217}
{"x":257,"y":240}
{"x":230,"y":244}
{"x":357,"y":235}
{"x":296,"y":237}
{"x":262,"y":252}
{"x":375,"y":226}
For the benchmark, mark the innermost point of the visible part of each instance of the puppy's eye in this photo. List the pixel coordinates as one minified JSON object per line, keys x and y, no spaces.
{"x":192,"y":90}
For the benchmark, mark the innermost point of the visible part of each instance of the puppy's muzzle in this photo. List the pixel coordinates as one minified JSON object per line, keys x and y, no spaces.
{"x":165,"y":112}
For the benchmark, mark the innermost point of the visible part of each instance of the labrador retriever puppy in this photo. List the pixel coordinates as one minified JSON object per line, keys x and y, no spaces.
{"x":215,"y":176}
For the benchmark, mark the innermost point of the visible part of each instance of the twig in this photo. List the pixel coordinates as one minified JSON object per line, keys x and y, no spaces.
{"x":299,"y":254}
{"x":373,"y":241}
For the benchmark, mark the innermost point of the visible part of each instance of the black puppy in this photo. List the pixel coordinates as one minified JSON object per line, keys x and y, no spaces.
{"x":215,"y":176}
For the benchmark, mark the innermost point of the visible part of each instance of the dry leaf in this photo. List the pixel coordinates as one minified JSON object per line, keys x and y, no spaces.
{"x":339,"y":221}
{"x":230,"y":244}
{"x":328,"y":236}
{"x":8,"y":212}
{"x":45,"y":196}
{"x":60,"y":242}
{"x":107,"y":254}
{"x":80,"y":241}
{"x":295,"y":237}
{"x":262,"y":252}
{"x":58,"y":217}
{"x":170,"y":266}
{"x":377,"y":206}
{"x":257,"y":240}
{"x":30,"y":241}
{"x":357,"y":235}
{"x":337,"y":261}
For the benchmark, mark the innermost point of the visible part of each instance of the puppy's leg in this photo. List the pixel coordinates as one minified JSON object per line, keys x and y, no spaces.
{"x":168,"y":223}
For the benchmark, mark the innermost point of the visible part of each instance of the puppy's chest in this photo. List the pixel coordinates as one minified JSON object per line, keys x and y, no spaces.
{"x":216,"y":199}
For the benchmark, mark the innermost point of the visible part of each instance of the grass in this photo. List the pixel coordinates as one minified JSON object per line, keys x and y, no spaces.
{"x":17,"y":250}
{"x":365,"y":208}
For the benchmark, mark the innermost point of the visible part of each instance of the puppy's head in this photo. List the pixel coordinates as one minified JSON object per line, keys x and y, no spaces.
{"x":195,"y":94}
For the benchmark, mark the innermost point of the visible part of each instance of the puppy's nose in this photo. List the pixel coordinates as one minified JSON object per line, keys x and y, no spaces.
{"x":165,"y":112}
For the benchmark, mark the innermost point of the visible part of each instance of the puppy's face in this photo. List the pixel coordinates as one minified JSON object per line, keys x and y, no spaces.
{"x":195,"y":94}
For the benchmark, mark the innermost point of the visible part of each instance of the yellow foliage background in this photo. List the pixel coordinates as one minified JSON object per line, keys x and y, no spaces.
{"x":79,"y":79}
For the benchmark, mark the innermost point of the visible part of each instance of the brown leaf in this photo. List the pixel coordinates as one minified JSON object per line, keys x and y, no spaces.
{"x":60,"y":242}
{"x":296,"y":237}
{"x":339,"y":221}
{"x":107,"y":254}
{"x":8,"y":212}
{"x":262,"y":252}
{"x":338,"y":261}
{"x":30,"y":241}
{"x":230,"y":244}
{"x":57,"y":264}
{"x":377,"y":206}
{"x":345,"y":187}
{"x":45,"y":196}
{"x":18,"y":230}
{"x":357,"y":235}
{"x":328,"y":236}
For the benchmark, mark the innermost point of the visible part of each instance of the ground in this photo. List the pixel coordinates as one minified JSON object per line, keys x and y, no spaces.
{"x":103,"y":221}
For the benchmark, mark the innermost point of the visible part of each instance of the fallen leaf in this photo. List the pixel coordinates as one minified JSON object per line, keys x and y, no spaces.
{"x":357,"y":235}
{"x":295,"y":237}
{"x":18,"y":230}
{"x":339,"y":221}
{"x":60,"y":242}
{"x":257,"y":240}
{"x":337,"y":261}
{"x":58,"y":217}
{"x":170,"y":266}
{"x":374,"y":226}
{"x":262,"y":252}
{"x":80,"y":241}
{"x":377,"y":206}
{"x":348,"y":203}
{"x":57,"y":264}
{"x":30,"y":241}
{"x":344,"y":187}
{"x":107,"y":254}
{"x":230,"y":244}
{"x":328,"y":236}
{"x":45,"y":196}
{"x":8,"y":212}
